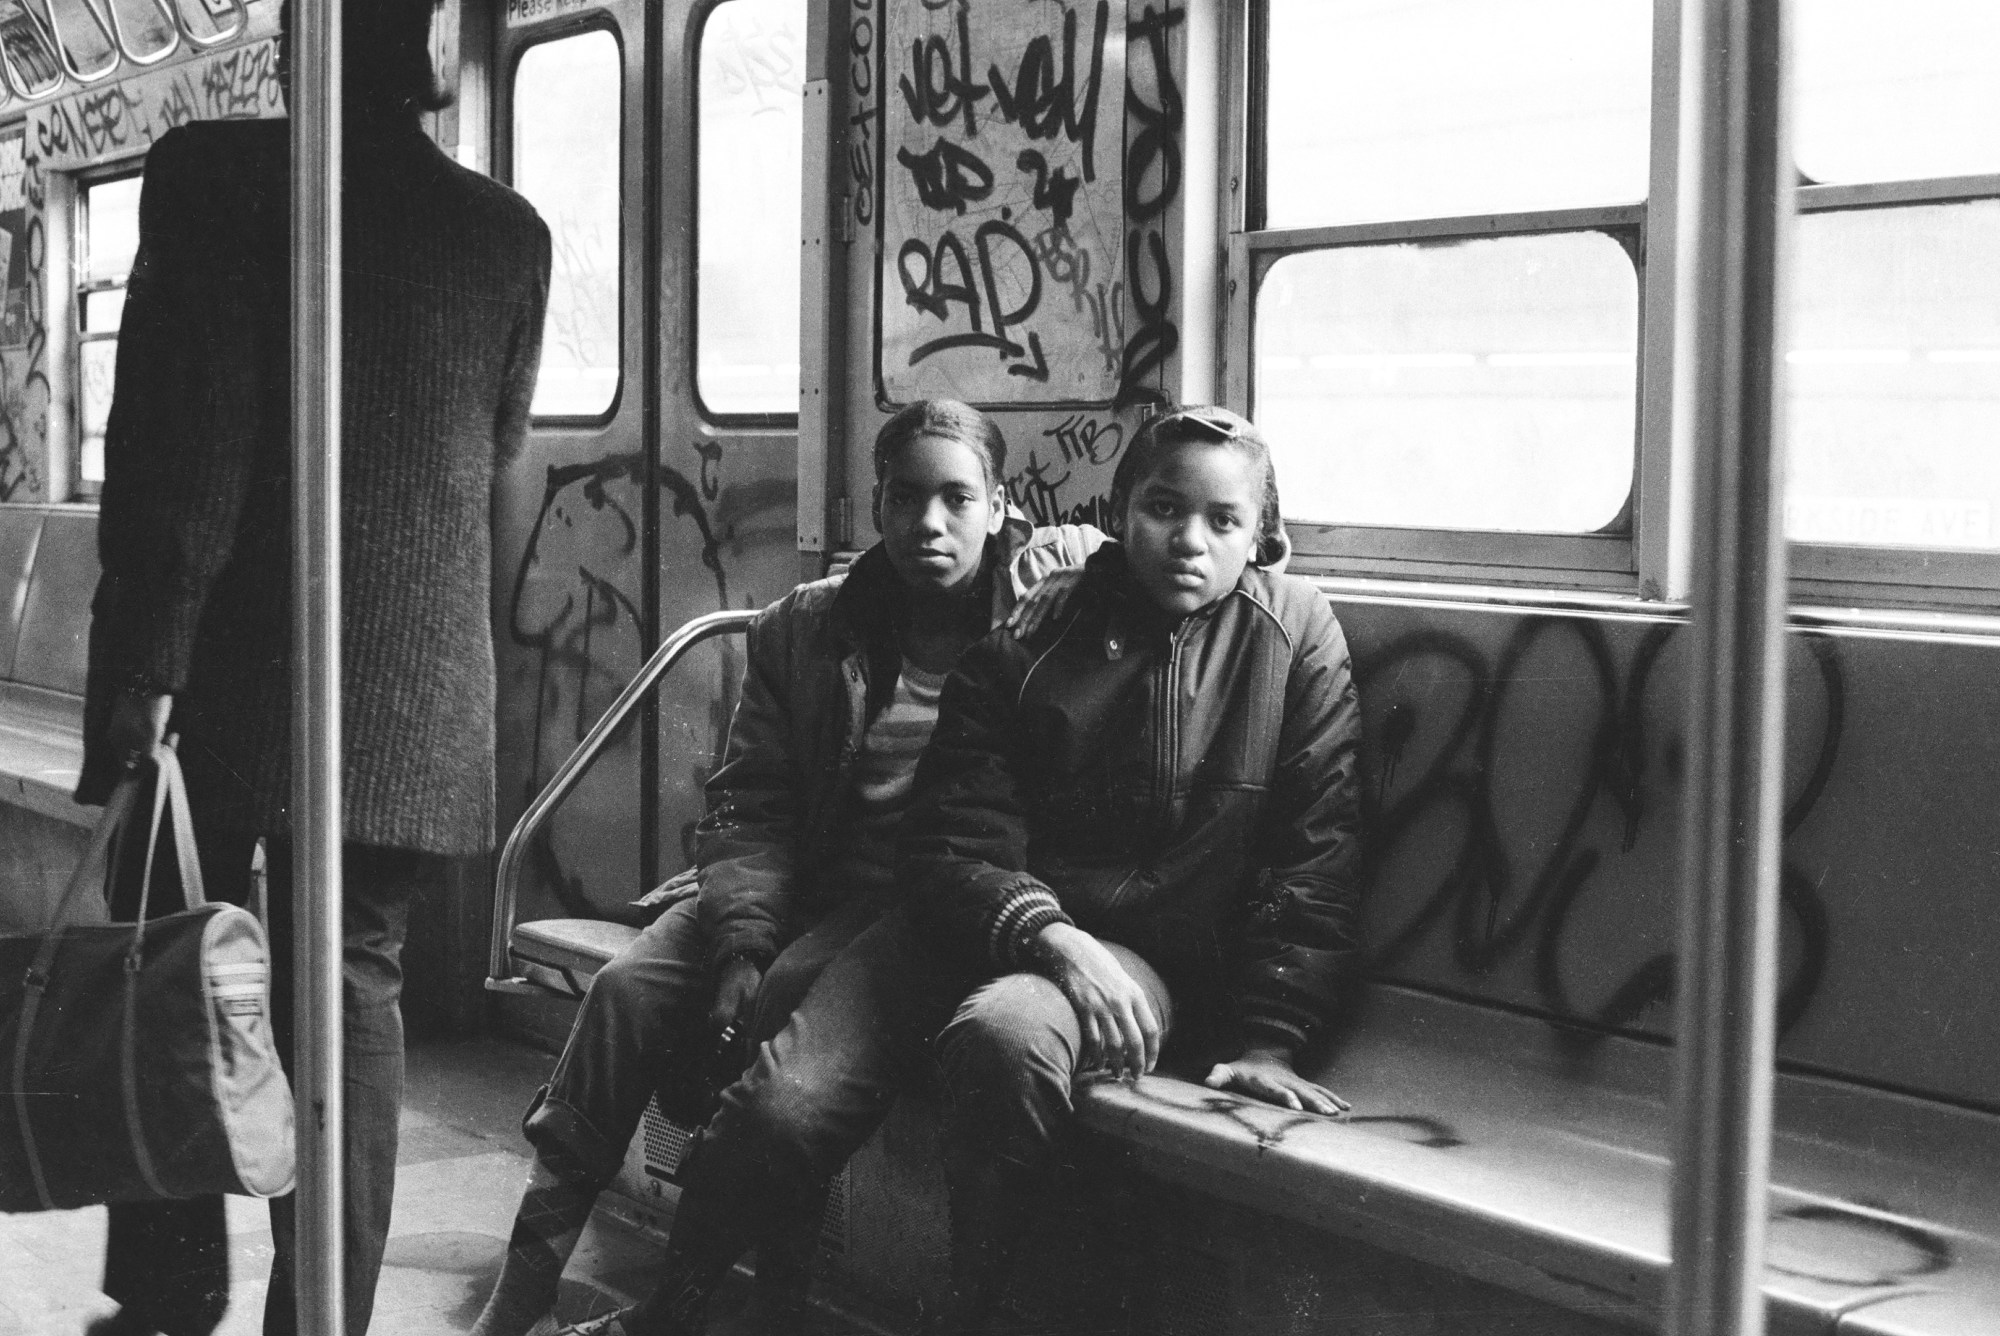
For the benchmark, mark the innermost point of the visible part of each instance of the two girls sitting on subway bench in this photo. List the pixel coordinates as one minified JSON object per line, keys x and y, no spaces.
{"x":1135,"y":826}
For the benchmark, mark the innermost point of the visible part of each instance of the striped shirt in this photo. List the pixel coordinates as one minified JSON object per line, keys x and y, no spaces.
{"x":884,"y":773}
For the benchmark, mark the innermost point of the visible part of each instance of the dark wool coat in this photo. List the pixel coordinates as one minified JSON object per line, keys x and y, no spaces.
{"x":445,"y":284}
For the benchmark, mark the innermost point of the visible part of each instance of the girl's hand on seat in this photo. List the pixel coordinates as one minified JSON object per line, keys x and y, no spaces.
{"x":735,"y":992}
{"x":1048,"y":600}
{"x":1120,"y":1031}
{"x":1266,"y":1074}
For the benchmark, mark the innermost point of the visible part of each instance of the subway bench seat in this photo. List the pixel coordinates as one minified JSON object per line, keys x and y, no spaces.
{"x":562,"y":954}
{"x":48,"y":573}
{"x":1479,"y":1144}
{"x":1483,"y":1145}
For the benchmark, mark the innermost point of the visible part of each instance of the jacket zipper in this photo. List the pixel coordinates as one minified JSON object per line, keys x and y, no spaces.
{"x":1169,"y":727}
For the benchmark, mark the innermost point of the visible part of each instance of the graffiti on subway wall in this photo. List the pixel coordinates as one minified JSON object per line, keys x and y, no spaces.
{"x":1500,"y":803}
{"x":1002,"y":199}
{"x":106,"y":123}
{"x":116,"y":119}
{"x":576,"y":627}
{"x":23,"y":330}
{"x":1154,"y":119}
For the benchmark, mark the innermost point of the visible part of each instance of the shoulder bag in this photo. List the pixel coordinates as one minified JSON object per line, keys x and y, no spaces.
{"x":138,"y":1059}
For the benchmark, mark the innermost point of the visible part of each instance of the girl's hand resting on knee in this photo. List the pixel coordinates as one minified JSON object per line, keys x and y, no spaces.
{"x":1266,"y":1074}
{"x":1120,"y":1031}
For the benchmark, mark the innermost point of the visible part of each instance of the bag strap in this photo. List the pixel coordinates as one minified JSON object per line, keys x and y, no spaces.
{"x":169,"y":791}
{"x":31,"y":1002}
{"x":116,"y":810}
{"x":128,"y":1045}
{"x":192,"y":890}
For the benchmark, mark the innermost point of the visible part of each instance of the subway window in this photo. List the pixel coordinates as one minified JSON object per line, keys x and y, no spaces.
{"x":1895,"y":377}
{"x":750,"y":115}
{"x":1896,"y":92}
{"x":1382,"y":109}
{"x":107,"y":239}
{"x":1894,"y":340}
{"x":1462,"y":384}
{"x":1444,"y":269}
{"x":567,"y":137}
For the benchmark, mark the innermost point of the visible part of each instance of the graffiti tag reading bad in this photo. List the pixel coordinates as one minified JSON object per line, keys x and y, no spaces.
{"x":1003,"y":208}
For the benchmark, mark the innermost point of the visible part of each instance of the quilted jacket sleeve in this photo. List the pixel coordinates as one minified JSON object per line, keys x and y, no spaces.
{"x":962,"y":858}
{"x":1303,"y":939}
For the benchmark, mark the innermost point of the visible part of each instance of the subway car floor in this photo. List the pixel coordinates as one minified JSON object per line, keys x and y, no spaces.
{"x":460,"y":1169}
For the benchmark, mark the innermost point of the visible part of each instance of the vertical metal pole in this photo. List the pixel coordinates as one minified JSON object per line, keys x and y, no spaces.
{"x":1736,"y":210}
{"x":316,"y":815}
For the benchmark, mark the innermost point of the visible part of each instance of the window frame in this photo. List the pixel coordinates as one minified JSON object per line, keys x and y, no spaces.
{"x":784,"y":421}
{"x":579,"y":26}
{"x":1648,"y":555}
{"x":1601,"y":558}
{"x":81,"y":289}
{"x":1839,"y":573}
{"x":1628,"y":556}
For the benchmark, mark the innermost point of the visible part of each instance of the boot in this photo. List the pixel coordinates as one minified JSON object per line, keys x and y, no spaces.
{"x":713,"y":1227}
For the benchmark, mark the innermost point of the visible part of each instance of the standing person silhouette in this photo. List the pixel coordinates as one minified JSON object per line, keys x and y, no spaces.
{"x":445,"y":285}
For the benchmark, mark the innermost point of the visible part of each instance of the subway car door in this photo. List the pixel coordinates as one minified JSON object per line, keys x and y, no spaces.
{"x":661,"y":145}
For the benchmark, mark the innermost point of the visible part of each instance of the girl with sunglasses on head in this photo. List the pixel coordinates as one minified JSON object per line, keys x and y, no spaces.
{"x":1136,"y":827}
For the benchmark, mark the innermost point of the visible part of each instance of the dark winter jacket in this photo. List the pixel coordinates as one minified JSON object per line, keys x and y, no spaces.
{"x":445,"y":280}
{"x":1185,"y":788}
{"x":822,"y":662}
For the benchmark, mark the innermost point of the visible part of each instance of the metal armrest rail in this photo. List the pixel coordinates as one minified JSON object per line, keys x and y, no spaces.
{"x":500,"y":976}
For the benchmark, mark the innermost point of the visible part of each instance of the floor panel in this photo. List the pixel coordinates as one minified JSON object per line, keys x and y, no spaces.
{"x":461,"y":1167}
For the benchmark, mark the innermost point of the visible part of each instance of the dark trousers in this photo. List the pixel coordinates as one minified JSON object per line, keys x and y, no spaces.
{"x":648,"y":1008}
{"x":1007,"y":1049}
{"x":167,"y":1263}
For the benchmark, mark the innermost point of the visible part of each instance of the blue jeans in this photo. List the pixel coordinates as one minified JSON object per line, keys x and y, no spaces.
{"x":1007,"y":1049}
{"x":167,"y":1263}
{"x":648,"y":1006}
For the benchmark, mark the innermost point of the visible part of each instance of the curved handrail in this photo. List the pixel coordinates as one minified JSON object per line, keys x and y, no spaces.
{"x":507,"y":878}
